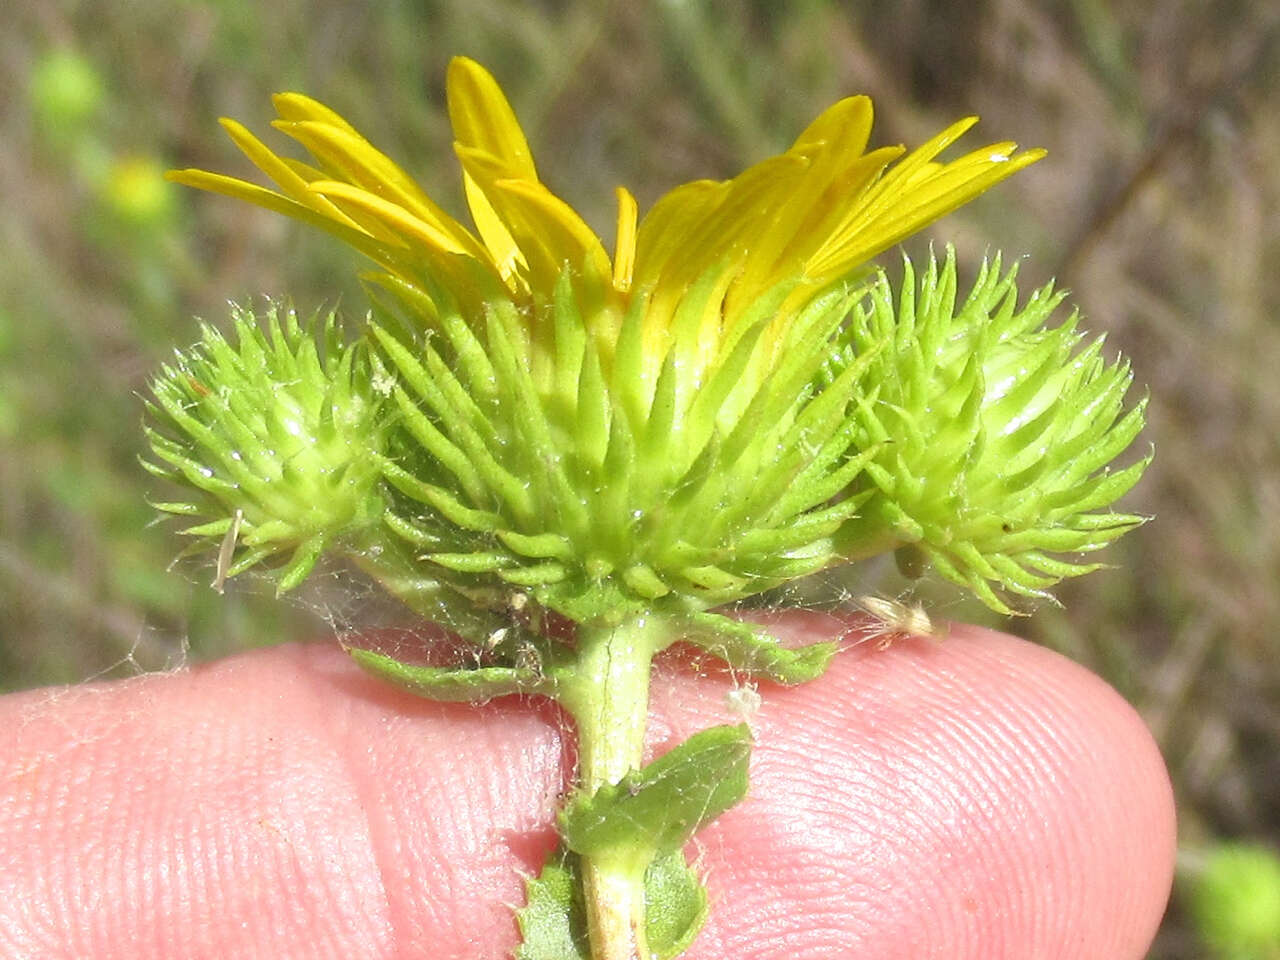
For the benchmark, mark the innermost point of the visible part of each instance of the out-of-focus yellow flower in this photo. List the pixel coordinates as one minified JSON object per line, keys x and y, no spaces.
{"x":804,"y":219}
{"x":135,"y":192}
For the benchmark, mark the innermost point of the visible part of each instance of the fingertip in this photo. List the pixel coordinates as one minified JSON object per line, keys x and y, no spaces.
{"x":980,"y":797}
{"x":974,"y":798}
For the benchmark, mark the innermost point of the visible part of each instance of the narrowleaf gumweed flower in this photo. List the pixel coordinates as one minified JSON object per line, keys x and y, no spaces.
{"x":530,"y":427}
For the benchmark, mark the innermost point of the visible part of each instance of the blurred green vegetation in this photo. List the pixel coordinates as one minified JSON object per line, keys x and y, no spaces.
{"x":1234,"y":896}
{"x":1158,"y":206}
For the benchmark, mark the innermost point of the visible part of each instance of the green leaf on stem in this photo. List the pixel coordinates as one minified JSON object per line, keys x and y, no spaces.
{"x":751,"y":648}
{"x":553,"y":923}
{"x":453,"y":684}
{"x":652,"y":812}
{"x":675,"y":905}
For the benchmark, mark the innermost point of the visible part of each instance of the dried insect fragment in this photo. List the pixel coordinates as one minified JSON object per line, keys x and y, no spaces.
{"x":895,"y":620}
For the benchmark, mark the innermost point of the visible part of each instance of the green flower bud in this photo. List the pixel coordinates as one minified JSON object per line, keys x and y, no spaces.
{"x":995,"y":433}
{"x":278,"y":437}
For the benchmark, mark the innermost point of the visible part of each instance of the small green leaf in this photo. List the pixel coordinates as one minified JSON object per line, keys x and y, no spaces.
{"x":675,"y":906}
{"x":453,"y":684}
{"x":653,"y":811}
{"x":748,"y":647}
{"x":553,"y":923}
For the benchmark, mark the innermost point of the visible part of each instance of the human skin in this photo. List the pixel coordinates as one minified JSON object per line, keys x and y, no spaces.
{"x":976,"y":798}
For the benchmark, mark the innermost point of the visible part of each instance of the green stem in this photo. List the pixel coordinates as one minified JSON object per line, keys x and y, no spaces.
{"x":608,"y":697}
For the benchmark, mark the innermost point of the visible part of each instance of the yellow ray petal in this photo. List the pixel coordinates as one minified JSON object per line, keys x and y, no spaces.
{"x":412,"y":230}
{"x":305,"y":170}
{"x":376,"y":250}
{"x":706,"y":224}
{"x":368,"y":224}
{"x":278,"y":169}
{"x":298,"y":106}
{"x":624,"y":244}
{"x":821,"y":216}
{"x":353,"y":158}
{"x":563,"y":234}
{"x":887,"y":192}
{"x":833,"y":146}
{"x":547,"y":232}
{"x":429,"y":243}
{"x":502,"y":247}
{"x":746,"y":211}
{"x":483,"y":120}
{"x":845,"y":124}
{"x":293,"y":178}
{"x":944,"y":187}
{"x":909,"y":196}
{"x":662,"y":231}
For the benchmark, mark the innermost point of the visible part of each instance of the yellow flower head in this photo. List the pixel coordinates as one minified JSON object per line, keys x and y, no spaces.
{"x":572,"y":459}
{"x":680,"y":424}
{"x":803,"y":219}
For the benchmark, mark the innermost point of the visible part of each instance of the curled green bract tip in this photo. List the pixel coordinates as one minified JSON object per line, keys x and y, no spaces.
{"x":574,"y":460}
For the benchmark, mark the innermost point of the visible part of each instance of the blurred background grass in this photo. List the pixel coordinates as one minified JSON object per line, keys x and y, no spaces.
{"x":1158,"y":206}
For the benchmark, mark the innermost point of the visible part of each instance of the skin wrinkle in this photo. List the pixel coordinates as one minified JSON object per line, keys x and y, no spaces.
{"x":406,"y":919}
{"x":109,"y":855}
{"x":1043,"y":740}
{"x":240,"y":832}
{"x":897,"y":771}
{"x":1124,"y":818}
{"x":475,"y":883}
{"x":924,"y":730}
{"x":996,"y":805}
{"x":495,"y":789}
{"x":63,"y":872}
{"x":426,"y":890}
{"x":281,"y":795}
{"x":348,"y":754}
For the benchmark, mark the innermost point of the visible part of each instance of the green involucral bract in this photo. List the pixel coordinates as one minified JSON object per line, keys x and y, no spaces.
{"x":574,"y":463}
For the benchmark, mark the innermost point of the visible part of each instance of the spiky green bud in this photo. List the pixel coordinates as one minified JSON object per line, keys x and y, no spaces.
{"x":277,"y":436}
{"x":995,"y":432}
{"x":601,"y":497}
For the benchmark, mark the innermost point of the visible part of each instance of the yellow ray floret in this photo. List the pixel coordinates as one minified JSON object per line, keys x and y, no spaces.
{"x":809,"y":215}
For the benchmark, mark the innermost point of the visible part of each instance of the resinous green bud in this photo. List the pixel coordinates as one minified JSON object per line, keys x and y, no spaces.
{"x":279,"y":436}
{"x":996,"y":428}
